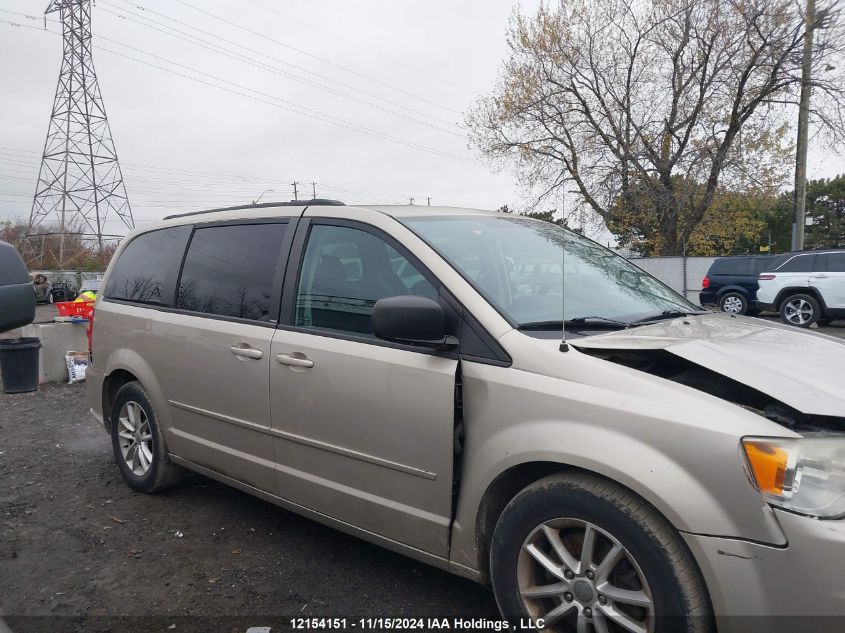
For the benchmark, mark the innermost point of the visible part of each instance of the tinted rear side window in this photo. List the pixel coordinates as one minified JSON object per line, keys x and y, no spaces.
{"x":836,"y":262}
{"x":229,"y":270}
{"x":743,"y":266}
{"x":799,"y":264}
{"x":147,"y":268}
{"x":765,"y":263}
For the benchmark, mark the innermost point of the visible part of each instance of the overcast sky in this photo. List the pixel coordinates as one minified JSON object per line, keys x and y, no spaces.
{"x":365,"y":98}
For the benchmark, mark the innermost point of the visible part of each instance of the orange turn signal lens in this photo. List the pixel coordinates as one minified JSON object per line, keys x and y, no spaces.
{"x":770,"y":465}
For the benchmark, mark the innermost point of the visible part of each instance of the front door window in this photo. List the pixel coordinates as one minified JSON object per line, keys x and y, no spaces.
{"x":344,"y":272}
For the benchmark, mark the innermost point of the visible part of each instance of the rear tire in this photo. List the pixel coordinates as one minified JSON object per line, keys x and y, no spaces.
{"x":638,"y":568}
{"x":137,"y":442}
{"x":800,"y":310}
{"x":733,"y":303}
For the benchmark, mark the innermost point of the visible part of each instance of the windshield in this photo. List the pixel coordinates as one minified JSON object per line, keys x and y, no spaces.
{"x":517,"y":264}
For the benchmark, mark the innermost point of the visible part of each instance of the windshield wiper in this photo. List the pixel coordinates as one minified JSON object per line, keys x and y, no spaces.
{"x":540,"y":325}
{"x":668,"y":314}
{"x":582,"y":321}
{"x":585,"y":320}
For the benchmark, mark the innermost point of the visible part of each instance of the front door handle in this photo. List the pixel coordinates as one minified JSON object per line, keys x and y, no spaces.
{"x":819,"y":277}
{"x":295,"y":361}
{"x":247,"y":352}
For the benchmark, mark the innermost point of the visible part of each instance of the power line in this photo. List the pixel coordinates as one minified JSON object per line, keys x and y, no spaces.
{"x":282,"y":103}
{"x":363,"y":48}
{"x":209,"y":45}
{"x":317,"y":57}
{"x":216,"y":176}
{"x":262,"y":98}
{"x":193,"y":179}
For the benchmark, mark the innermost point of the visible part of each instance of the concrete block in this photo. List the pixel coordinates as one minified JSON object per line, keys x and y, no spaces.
{"x":56,"y":340}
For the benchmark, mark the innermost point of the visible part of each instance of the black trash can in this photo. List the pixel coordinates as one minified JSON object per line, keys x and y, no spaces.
{"x":19,"y":364}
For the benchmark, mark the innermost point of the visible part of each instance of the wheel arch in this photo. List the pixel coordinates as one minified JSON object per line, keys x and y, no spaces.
{"x":499,"y":494}
{"x":125,"y":365}
{"x":721,"y":292}
{"x":689,"y":494}
{"x":510,"y":482}
{"x":799,"y":290}
{"x":111,"y":385}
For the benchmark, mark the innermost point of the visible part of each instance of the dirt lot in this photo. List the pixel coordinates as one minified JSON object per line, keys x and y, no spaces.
{"x":76,"y":542}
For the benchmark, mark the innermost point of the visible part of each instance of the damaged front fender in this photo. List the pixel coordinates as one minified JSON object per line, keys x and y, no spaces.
{"x":793,"y":377}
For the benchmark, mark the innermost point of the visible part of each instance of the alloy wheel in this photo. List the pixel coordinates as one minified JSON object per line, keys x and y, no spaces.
{"x":798,"y":311}
{"x":732,"y":305}
{"x":135,"y":437}
{"x":573,"y":575}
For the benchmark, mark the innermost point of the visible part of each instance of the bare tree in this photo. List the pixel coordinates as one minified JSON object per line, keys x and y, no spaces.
{"x":44,"y":251}
{"x":669,"y":97}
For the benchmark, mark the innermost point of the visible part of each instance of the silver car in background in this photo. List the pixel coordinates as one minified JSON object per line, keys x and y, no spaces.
{"x":398,"y":373}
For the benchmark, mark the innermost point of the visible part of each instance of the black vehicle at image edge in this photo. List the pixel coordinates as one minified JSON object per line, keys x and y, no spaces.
{"x":731,"y":282}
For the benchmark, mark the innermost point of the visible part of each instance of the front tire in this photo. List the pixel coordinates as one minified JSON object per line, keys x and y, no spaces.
{"x":137,"y":442}
{"x":586,"y":555}
{"x":800,"y":310}
{"x":733,"y":303}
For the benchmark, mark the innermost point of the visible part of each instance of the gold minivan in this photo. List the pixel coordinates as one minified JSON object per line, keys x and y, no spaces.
{"x":490,"y":394}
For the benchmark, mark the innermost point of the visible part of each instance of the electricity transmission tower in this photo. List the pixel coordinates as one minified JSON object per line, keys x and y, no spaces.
{"x":80,"y":184}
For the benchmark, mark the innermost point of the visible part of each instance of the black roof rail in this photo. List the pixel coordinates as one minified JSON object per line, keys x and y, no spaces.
{"x":325,"y":202}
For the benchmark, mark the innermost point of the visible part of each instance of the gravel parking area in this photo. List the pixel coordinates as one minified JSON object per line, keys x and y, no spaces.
{"x":79,"y":548}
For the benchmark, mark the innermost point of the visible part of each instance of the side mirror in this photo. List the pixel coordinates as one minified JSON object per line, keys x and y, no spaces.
{"x":413,"y":320}
{"x":17,"y":295}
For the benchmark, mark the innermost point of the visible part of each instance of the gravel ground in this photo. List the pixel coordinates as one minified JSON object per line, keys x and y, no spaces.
{"x":79,"y":548}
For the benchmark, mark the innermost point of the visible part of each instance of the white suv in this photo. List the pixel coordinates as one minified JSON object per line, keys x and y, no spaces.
{"x":806,"y":288}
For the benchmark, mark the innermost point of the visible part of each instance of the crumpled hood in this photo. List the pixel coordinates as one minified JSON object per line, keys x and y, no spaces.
{"x":802,"y":369}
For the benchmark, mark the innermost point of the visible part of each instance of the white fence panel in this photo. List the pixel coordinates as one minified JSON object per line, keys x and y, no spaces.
{"x":681,"y":274}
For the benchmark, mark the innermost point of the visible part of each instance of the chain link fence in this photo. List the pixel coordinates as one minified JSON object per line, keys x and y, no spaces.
{"x":74,"y":278}
{"x":681,"y":274}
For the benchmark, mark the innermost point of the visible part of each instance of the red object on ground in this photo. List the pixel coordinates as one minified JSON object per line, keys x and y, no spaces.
{"x":89,"y":332}
{"x":75,"y":308}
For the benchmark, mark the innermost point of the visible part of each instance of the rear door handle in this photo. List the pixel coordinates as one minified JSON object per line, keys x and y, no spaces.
{"x":247,"y":352}
{"x":819,"y":277}
{"x":294,"y":361}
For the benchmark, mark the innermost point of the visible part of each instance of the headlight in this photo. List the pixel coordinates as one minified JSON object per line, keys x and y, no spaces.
{"x":804,"y":475}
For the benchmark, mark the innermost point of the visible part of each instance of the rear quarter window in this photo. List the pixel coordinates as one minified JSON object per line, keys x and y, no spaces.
{"x":836,"y":262}
{"x":763,"y":264}
{"x":229,"y":270}
{"x":743,"y":266}
{"x":145,"y":271}
{"x":798,"y":264}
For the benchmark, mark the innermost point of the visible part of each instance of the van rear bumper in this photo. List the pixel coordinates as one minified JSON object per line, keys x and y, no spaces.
{"x":708,"y":298}
{"x":94,"y":384}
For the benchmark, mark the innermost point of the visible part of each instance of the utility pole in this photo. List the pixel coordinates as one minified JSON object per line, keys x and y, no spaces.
{"x":295,"y":193}
{"x":800,"y":203}
{"x":79,"y":183}
{"x":313,"y":190}
{"x":428,"y":200}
